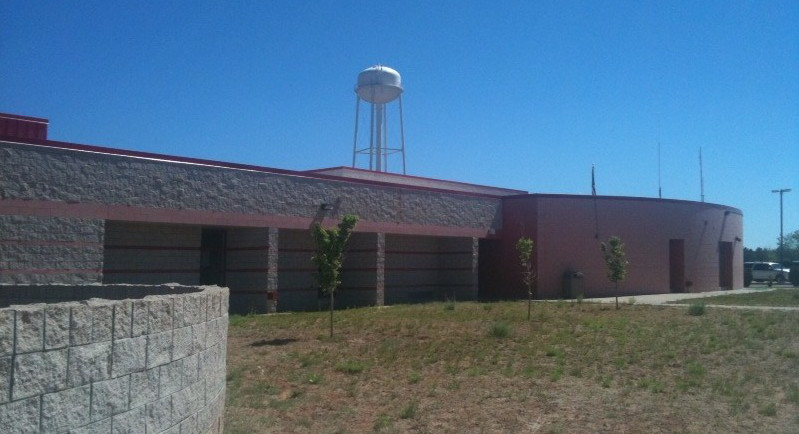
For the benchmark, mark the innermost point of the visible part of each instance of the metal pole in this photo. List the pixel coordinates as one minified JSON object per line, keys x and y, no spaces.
{"x":781,"y":192}
{"x":701,"y":177}
{"x":355,"y":139}
{"x":402,"y":136}
{"x":379,"y":137}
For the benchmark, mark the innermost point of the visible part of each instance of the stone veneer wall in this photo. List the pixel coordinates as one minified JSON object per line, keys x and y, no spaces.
{"x":39,"y":173}
{"x":153,"y":364}
{"x":38,"y":249}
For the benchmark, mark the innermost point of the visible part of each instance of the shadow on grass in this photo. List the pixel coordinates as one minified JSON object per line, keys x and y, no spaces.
{"x":273,"y":342}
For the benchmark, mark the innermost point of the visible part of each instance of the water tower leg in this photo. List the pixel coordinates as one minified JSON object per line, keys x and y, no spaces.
{"x":379,"y":137}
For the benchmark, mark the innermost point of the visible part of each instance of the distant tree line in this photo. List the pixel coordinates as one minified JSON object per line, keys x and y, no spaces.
{"x":765,"y":254}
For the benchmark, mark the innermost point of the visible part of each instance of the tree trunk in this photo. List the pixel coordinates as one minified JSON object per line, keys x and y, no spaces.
{"x":529,"y":304}
{"x":331,"y":314}
{"x":616,"y":285}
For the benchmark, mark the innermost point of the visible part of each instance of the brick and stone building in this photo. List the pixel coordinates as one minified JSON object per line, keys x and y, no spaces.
{"x":77,"y":214}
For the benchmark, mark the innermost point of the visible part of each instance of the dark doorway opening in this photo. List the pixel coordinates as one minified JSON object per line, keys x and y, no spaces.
{"x":677,"y":265}
{"x":489,"y":276}
{"x":213,"y":257}
{"x":725,"y":264}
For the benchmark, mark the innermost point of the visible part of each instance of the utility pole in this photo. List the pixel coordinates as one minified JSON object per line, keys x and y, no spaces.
{"x":781,"y":192}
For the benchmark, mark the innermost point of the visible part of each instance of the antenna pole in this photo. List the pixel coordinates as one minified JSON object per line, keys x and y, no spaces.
{"x":701,"y":177}
{"x":660,"y":189}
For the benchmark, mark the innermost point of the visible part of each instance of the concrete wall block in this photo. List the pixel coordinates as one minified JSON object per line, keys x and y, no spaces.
{"x":195,"y":307}
{"x":159,"y":415}
{"x":129,"y":355}
{"x":110,"y":397}
{"x":171,"y":378}
{"x":123,"y":318}
{"x":80,"y":324}
{"x":30,"y":328}
{"x":6,"y":367}
{"x":191,"y":369}
{"x":223,"y":327}
{"x":67,"y":409}
{"x":21,"y":416}
{"x":56,"y":326}
{"x":182,"y":342}
{"x":214,"y":384}
{"x":38,"y":373}
{"x":198,"y":337}
{"x":144,"y":387}
{"x":209,"y":420}
{"x":89,"y":363}
{"x":174,"y":430}
{"x":186,"y":402}
{"x":132,"y":421}
{"x":111,"y":388}
{"x":209,"y":361}
{"x":140,"y":318}
{"x":214,"y":306}
{"x":225,"y":306}
{"x":6,"y":332}
{"x":99,"y":427}
{"x":160,"y":311}
{"x":102,"y":320}
{"x":211,"y":333}
{"x":178,"y":308}
{"x":159,"y":349}
{"x":189,"y":425}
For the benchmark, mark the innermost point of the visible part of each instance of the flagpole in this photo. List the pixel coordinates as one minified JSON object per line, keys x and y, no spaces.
{"x":593,"y":182}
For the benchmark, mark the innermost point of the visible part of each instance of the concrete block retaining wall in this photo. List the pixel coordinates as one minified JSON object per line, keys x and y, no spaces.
{"x":153,"y":364}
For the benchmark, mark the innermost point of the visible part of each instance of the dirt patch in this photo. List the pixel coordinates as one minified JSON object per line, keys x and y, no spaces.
{"x":573,"y":368}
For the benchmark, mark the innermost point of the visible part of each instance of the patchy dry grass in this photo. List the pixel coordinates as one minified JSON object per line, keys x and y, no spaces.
{"x":778,"y":297}
{"x":484,"y":368}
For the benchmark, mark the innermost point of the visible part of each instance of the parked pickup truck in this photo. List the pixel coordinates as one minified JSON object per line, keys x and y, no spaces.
{"x":768,"y":271}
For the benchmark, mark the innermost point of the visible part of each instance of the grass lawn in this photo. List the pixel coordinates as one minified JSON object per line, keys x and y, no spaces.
{"x":778,"y":297}
{"x":472,"y":367}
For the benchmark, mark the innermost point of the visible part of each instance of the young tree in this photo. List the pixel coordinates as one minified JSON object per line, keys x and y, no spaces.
{"x":525,"y":248}
{"x":329,"y":257}
{"x":616,"y":261}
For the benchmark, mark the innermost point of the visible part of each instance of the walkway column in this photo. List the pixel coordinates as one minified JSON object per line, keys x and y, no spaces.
{"x":271,"y":259}
{"x":380,"y":270}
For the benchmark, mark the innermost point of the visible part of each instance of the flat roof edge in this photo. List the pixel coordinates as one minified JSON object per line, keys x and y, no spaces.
{"x":635,"y":198}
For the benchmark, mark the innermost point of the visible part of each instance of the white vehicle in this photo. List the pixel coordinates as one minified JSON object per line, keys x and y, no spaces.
{"x":768,"y":271}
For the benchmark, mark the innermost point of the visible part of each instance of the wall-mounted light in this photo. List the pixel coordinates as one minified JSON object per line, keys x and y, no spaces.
{"x":738,"y":239}
{"x":325,"y":207}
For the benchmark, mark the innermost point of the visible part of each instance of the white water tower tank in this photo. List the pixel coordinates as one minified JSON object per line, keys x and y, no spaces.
{"x":379,"y":84}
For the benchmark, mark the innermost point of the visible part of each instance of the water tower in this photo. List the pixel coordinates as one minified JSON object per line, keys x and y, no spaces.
{"x":378,"y":85}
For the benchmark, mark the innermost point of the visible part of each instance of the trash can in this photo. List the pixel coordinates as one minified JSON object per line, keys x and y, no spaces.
{"x":573,"y":284}
{"x":794,"y":273}
{"x":747,"y":276}
{"x":271,"y":301}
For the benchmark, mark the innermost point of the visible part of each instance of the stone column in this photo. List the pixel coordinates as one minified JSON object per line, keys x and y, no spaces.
{"x":271,"y":268}
{"x":475,"y":266}
{"x":380,"y":270}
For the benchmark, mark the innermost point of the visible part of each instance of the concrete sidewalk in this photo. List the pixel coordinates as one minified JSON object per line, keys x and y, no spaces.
{"x":656,"y":299}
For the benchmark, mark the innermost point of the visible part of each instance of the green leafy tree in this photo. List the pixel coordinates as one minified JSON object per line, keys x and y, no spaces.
{"x":329,"y":257}
{"x":525,"y":248}
{"x":616,"y":261}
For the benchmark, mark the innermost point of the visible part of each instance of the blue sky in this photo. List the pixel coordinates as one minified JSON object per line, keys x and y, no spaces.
{"x":523,"y":95}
